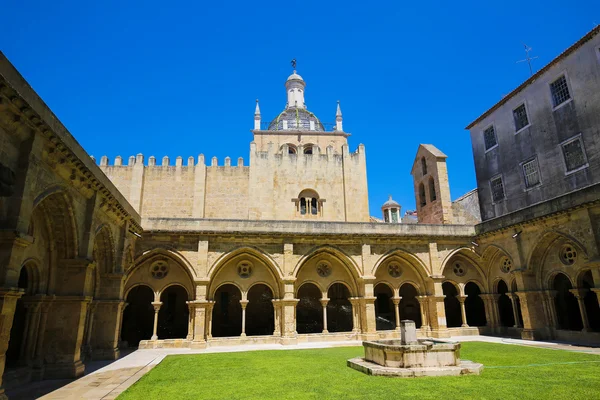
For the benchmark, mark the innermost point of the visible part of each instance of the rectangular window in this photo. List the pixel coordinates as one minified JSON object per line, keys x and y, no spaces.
{"x":497,"y":188}
{"x":531,"y":173}
{"x":574,"y":154}
{"x":520,"y":117}
{"x":560,"y":91}
{"x":489,"y":137}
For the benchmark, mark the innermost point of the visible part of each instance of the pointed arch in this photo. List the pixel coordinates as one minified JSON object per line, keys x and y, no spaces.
{"x":56,"y":207}
{"x":252,"y":251}
{"x":335,"y":252}
{"x":544,"y":243}
{"x":415,"y":262}
{"x":168,"y":253}
{"x":104,"y":250}
{"x":271,"y":271}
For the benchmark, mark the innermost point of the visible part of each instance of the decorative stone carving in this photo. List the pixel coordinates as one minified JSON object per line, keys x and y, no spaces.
{"x":568,"y":254}
{"x":506,"y":265}
{"x":159,"y":269}
{"x":459,"y":269}
{"x":394,"y":269}
{"x":244,"y":269}
{"x":323,"y":269}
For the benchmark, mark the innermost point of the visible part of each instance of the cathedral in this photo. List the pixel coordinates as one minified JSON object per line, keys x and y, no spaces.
{"x":98,"y":257}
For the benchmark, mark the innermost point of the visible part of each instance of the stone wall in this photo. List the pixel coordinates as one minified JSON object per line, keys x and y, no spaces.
{"x":465,"y":209}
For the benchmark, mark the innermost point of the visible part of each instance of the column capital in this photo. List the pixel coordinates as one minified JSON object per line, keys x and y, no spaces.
{"x":324,"y":302}
{"x":422,"y":299}
{"x":396,"y":300}
{"x":462,"y":298}
{"x":579,"y":293}
{"x":156,"y":305}
{"x":244,"y":303}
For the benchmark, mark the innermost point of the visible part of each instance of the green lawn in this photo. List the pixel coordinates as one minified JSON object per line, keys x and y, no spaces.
{"x":510,"y":372}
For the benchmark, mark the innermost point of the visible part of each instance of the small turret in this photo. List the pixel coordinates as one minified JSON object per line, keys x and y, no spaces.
{"x":391,"y":211}
{"x":257,"y":116}
{"x":338,"y":118}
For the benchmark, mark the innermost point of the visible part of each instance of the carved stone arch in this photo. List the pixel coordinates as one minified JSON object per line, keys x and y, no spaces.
{"x":548,"y":281}
{"x":191,"y":295}
{"x":321,"y":288}
{"x":341,"y":282}
{"x":467,"y":255}
{"x":415,"y":262}
{"x":251,"y":250}
{"x":479,"y":284}
{"x":177,"y":269}
{"x":327,"y":254}
{"x":222,"y":267}
{"x":334,"y":251}
{"x":57,"y":207}
{"x":216,"y":287}
{"x":545,"y":242}
{"x":32,"y":267}
{"x":420,"y":290}
{"x":265,"y":283}
{"x":454,"y":283}
{"x":104,"y":250}
{"x":169,"y":253}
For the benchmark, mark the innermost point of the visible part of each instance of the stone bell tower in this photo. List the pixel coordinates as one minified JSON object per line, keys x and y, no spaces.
{"x":432,"y":190}
{"x":302,"y":168}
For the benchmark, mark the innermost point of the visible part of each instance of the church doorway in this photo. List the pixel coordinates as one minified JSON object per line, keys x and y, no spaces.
{"x":339,"y":309}
{"x":17,"y":332}
{"x":591,"y":301}
{"x":173,"y":316}
{"x":505,"y":308}
{"x":227,"y":312}
{"x":474,"y":307}
{"x":138,"y":317}
{"x":260,"y":314}
{"x":567,"y":307}
{"x":309,"y":311}
{"x":452,"y":305}
{"x":385,"y":318}
{"x":409,"y":305}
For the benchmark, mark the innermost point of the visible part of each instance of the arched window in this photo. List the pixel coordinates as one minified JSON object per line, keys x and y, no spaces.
{"x":423,"y":166}
{"x":291,"y":148}
{"x":308,"y":149}
{"x":422,"y":200}
{"x":309,"y":203}
{"x":432,"y":196}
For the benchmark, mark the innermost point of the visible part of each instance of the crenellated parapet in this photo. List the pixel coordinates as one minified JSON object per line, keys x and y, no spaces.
{"x":165,"y":161}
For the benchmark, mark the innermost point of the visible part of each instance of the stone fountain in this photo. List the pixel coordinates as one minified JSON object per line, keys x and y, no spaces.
{"x":410,"y":357}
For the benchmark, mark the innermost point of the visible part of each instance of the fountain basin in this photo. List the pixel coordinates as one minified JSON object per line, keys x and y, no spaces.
{"x":410,"y":357}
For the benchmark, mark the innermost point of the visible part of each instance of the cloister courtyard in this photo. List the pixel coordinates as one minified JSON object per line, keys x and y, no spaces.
{"x":513,"y":369}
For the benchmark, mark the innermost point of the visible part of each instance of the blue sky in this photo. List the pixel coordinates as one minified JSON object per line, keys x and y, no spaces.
{"x":175,"y":78}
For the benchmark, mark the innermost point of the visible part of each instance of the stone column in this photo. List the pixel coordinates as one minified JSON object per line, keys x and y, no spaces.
{"x":535,"y":317}
{"x":38,"y":355}
{"x":490,"y":302}
{"x":368,"y":303}
{"x":437,"y":309}
{"x":8,"y":304}
{"x":277,"y":317}
{"x":288,"y":310}
{"x":200,"y":319}
{"x":89,"y":328}
{"x":597,"y":291}
{"x":244,"y":304}
{"x":513,"y":299}
{"x":355,"y":302}
{"x":31,"y":334}
{"x":423,"y":306}
{"x":580,"y":295}
{"x":156,"y":305}
{"x":209,"y":315}
{"x":396,"y":301}
{"x":191,"y":316}
{"x":548,"y":297}
{"x":324,"y":302}
{"x":463,"y":311}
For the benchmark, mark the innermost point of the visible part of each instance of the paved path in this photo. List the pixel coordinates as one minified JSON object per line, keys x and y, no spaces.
{"x":110,"y":381}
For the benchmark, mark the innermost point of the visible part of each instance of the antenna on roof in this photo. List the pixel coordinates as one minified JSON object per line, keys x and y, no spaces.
{"x":528,"y":59}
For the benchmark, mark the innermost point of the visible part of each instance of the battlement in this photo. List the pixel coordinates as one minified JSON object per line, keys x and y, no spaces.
{"x":191,"y":161}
